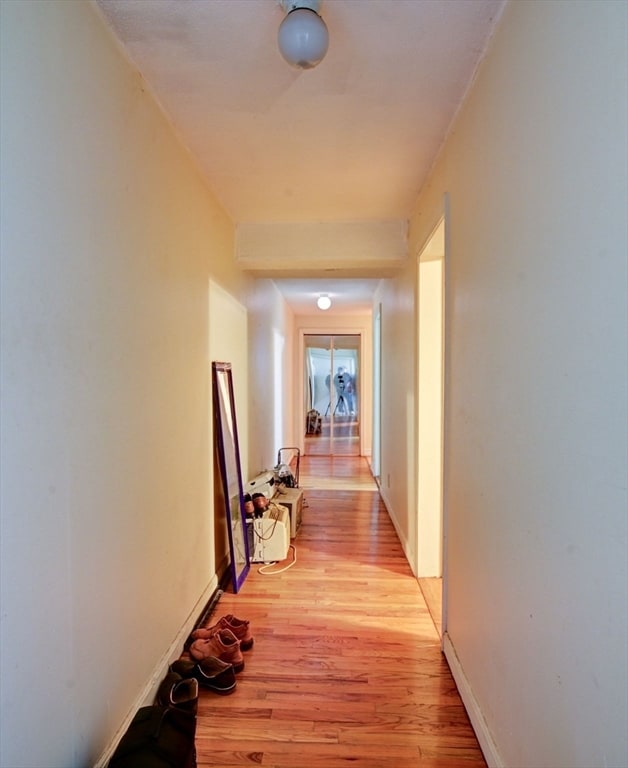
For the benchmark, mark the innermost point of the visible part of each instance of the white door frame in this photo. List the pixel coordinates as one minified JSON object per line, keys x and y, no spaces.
{"x":365,"y":394}
{"x":432,"y":345}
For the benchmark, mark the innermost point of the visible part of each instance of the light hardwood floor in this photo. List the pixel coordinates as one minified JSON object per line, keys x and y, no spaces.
{"x":342,"y":440}
{"x":346,"y":668}
{"x":432,"y":589}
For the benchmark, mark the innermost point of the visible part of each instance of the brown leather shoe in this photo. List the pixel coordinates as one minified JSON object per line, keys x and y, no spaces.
{"x":223,"y":644}
{"x":240,"y":628}
{"x":177,"y":691}
{"x":211,"y":673}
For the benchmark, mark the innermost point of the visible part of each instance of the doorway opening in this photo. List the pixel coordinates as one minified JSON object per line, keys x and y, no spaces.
{"x":430,"y":427}
{"x":331,"y":397}
{"x":376,"y":459}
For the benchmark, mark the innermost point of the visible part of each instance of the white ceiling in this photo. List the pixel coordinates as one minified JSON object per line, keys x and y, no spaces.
{"x":350,"y":141}
{"x":348,"y":295}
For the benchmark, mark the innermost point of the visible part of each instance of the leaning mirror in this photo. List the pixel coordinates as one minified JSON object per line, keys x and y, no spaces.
{"x":226,"y":436}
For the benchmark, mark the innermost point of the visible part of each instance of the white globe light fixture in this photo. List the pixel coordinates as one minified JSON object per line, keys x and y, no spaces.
{"x":303,"y":36}
{"x":323,"y":301}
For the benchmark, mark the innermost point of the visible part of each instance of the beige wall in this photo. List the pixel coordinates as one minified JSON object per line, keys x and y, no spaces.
{"x":398,"y":476}
{"x":272,"y":383}
{"x":227,"y":343}
{"x":535,"y":455}
{"x":109,"y":243}
{"x":117,"y":286}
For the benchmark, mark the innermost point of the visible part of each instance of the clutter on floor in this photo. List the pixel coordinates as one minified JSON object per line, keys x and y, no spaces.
{"x":163,"y":735}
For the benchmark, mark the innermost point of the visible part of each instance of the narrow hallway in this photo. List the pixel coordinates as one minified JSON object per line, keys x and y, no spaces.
{"x":346,"y":667}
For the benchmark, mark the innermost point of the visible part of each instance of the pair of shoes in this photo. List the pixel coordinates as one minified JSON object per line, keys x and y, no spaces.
{"x":221,"y":644}
{"x":177,"y":691}
{"x":240,"y":628}
{"x":249,"y":507}
{"x":218,"y":676}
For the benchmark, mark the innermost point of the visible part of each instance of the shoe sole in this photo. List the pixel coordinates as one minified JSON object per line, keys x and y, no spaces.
{"x":219,"y":691}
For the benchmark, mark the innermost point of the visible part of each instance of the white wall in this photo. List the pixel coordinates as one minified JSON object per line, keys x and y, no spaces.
{"x":109,"y":243}
{"x":272,"y":382}
{"x":535,"y":456}
{"x":398,"y":476}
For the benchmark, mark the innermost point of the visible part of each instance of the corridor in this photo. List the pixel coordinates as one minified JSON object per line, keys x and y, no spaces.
{"x":346,"y":667}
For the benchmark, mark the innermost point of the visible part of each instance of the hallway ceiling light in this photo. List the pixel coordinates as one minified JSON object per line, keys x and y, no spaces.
{"x":303,"y":36}
{"x":323,"y":301}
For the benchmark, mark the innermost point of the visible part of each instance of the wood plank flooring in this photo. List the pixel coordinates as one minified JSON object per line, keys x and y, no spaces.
{"x":432,"y":589}
{"x":342,"y":440}
{"x":346,"y":668}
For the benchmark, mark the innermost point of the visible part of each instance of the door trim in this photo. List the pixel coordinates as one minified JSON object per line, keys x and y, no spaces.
{"x":365,"y":398}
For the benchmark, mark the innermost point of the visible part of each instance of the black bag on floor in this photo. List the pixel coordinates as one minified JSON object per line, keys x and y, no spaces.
{"x":158,"y":737}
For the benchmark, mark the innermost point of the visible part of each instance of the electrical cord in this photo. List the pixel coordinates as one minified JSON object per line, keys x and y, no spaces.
{"x":263,"y":568}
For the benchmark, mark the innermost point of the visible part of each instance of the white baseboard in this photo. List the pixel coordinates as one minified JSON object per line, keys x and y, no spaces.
{"x":149,"y":691}
{"x":487,"y":745}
